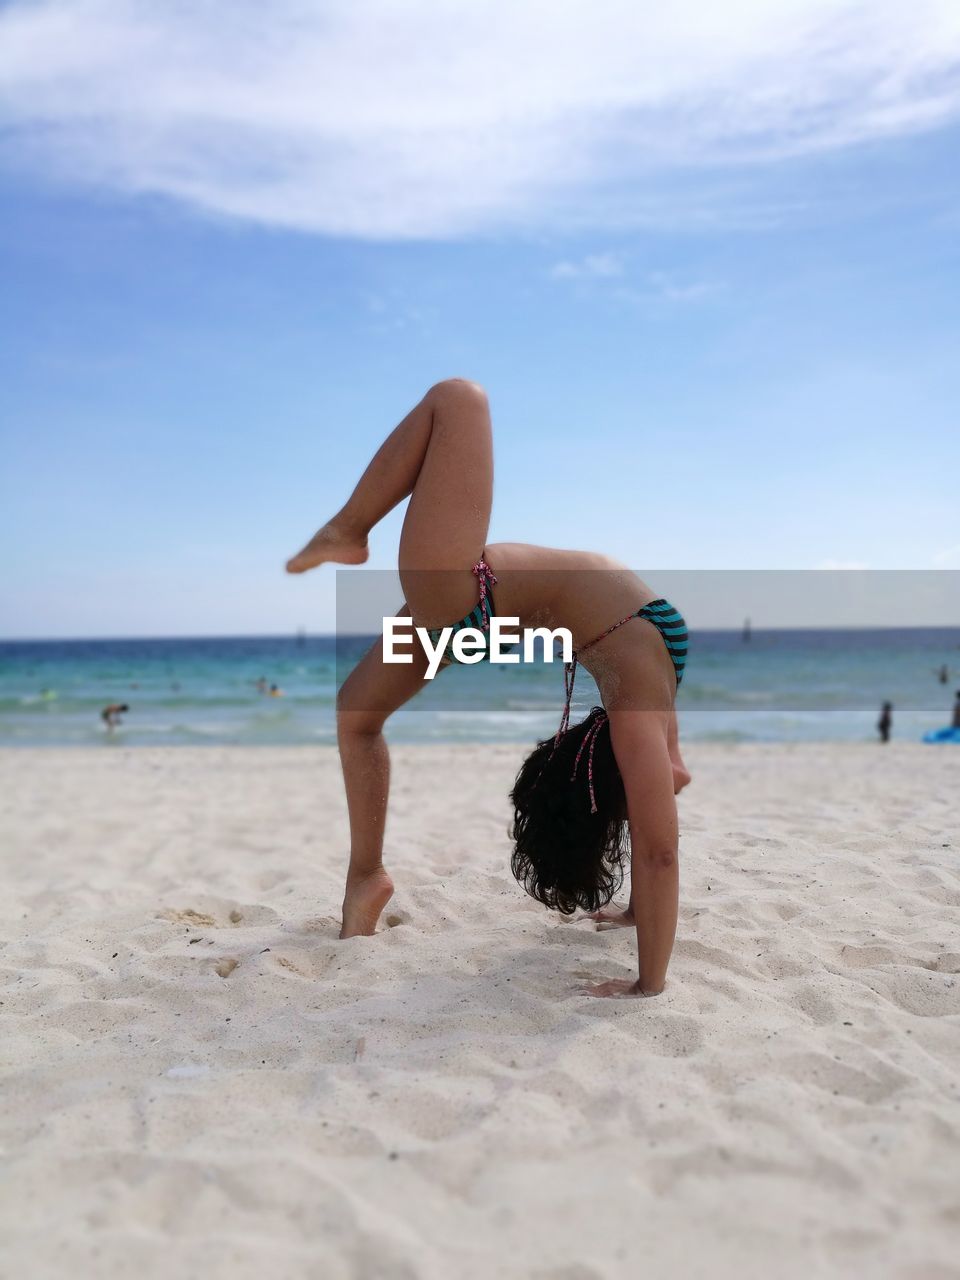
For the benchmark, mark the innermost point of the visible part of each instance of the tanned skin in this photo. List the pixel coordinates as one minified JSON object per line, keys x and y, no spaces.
{"x":440,"y":456}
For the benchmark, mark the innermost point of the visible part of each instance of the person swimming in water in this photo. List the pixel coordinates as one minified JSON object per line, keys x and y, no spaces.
{"x":580,"y":789}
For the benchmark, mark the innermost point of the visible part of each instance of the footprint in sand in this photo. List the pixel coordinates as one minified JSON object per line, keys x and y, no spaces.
{"x":219,"y":915}
{"x":226,"y":966}
{"x":188,"y":916}
{"x":871,"y":957}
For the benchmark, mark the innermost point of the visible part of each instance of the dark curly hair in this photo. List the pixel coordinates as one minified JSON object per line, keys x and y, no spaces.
{"x":566,"y":856}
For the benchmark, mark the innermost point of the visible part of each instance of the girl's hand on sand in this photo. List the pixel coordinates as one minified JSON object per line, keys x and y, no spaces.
{"x":611,"y":917}
{"x":618,"y":988}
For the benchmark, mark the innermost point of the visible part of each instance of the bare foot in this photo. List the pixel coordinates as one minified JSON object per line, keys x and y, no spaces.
{"x":681,"y":777}
{"x":332,"y":542}
{"x":363,"y":901}
{"x":618,"y":988}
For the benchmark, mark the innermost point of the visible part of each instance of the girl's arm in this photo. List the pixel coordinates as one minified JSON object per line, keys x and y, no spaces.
{"x":640,"y":744}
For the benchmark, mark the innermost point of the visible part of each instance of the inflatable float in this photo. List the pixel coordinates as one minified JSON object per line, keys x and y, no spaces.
{"x":942,"y":735}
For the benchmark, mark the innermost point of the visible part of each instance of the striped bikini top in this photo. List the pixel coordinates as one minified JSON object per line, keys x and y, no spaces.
{"x":669,"y":622}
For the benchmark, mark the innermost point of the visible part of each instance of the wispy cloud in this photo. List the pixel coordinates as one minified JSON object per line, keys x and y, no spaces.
{"x":674,"y":290}
{"x":591,"y":267}
{"x":368,"y":118}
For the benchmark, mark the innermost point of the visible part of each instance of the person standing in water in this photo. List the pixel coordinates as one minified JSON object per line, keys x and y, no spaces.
{"x":111,"y":715}
{"x":885,"y":723}
{"x":955,"y":723}
{"x":580,"y":789}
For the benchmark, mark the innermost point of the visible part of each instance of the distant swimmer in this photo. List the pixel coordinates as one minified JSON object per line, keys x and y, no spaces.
{"x":111,"y":715}
{"x":956,"y":712}
{"x":885,"y":723}
{"x":262,"y":685}
{"x":275,"y":692}
{"x":943,"y":675}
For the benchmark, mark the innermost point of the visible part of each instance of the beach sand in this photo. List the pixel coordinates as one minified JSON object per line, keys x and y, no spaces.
{"x":200,"y":1080}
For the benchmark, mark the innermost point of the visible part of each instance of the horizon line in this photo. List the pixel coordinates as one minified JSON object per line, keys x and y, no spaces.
{"x":295,"y":636}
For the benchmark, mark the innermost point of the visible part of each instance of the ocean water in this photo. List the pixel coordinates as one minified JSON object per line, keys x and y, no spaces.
{"x":800,"y":685}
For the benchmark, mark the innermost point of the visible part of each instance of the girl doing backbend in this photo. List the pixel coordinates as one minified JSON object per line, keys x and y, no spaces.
{"x":580,"y":789}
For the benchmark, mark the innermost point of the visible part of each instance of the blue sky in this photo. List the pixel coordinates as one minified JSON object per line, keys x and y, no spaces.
{"x":740,"y":354}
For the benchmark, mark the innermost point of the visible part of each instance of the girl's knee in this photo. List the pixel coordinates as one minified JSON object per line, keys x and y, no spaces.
{"x":354,"y":719}
{"x":459,"y":391}
{"x":358,"y":724}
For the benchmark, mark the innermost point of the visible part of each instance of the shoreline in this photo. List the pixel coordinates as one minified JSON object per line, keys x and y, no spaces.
{"x":116,"y":743}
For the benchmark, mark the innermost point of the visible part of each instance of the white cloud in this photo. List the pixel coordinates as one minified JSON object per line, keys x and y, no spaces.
{"x":450,"y":117}
{"x":674,"y":290}
{"x":594,"y":265}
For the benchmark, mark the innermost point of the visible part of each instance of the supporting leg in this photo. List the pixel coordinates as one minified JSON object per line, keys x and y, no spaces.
{"x":681,"y":774}
{"x":373,"y":691}
{"x":365,"y":760}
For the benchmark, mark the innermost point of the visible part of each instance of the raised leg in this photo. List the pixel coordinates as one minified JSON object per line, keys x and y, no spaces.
{"x":441,"y":456}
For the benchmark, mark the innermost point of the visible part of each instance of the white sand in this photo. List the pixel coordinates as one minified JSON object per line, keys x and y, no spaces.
{"x":201,"y":1081}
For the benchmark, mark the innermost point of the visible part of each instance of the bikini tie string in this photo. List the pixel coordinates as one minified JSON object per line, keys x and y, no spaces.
{"x":569,"y":676}
{"x":486,"y":579}
{"x":590,"y":736}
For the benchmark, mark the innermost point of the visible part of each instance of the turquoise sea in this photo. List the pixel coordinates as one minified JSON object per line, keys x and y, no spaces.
{"x":780,"y":686}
